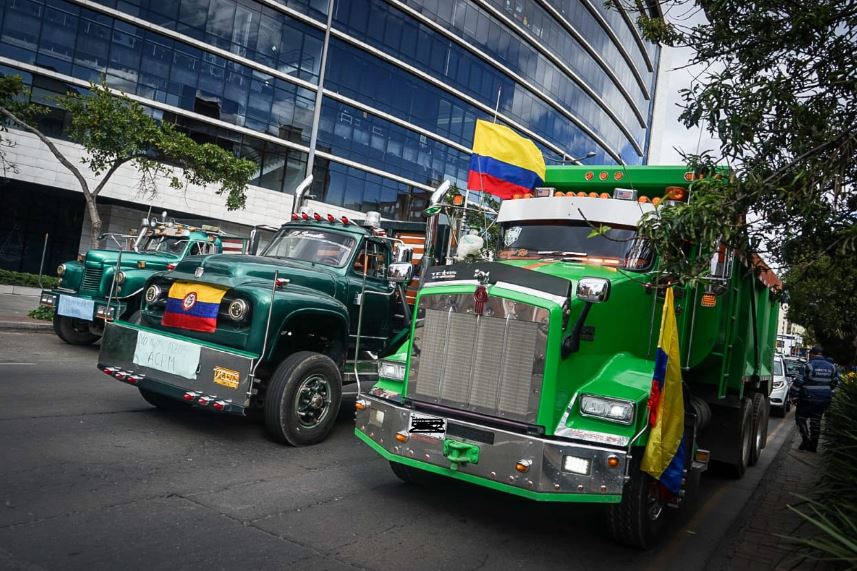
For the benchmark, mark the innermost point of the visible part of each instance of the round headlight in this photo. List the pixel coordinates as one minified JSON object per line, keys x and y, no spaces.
{"x":238,"y":309}
{"x":60,"y":269}
{"x":120,"y":277}
{"x":153,"y":294}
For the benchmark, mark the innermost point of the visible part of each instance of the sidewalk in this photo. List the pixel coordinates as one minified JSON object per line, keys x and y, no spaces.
{"x":754,"y":542}
{"x":15,"y":303}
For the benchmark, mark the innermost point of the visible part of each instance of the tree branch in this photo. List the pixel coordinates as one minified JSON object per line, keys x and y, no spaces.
{"x":113,"y":168}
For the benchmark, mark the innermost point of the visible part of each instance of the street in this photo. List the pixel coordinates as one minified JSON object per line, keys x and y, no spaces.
{"x":91,"y":476}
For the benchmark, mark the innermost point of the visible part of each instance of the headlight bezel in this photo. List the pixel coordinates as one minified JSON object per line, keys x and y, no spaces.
{"x":61,"y":270}
{"x":611,"y":402}
{"x":120,"y":277}
{"x":157,"y":294}
{"x":392,"y":370}
{"x":238,"y":309}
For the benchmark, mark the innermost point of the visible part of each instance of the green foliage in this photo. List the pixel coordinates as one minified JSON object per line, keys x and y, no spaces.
{"x":833,"y":510}
{"x":114,"y":130}
{"x":29,"y":280}
{"x":42,"y":313}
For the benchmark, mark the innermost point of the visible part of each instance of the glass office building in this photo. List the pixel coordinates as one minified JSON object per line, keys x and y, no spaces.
{"x":403,"y":84}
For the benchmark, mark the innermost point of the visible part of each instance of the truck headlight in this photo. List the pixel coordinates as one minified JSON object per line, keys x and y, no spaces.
{"x":575,"y":464}
{"x":615,"y":410}
{"x":391,"y":370}
{"x":238,"y":309}
{"x":120,"y":277}
{"x":153,"y":293}
{"x":60,"y":270}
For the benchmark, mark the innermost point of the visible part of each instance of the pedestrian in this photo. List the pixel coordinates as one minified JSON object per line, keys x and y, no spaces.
{"x":813,"y":392}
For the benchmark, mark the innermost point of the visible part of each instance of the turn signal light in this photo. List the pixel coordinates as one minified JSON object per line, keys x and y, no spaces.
{"x":171,"y":267}
{"x":709,"y":300}
{"x":203,"y":401}
{"x":141,"y":264}
{"x":189,"y":396}
{"x":643,"y":199}
{"x":119,"y":375}
{"x":458,"y":200}
{"x":523,"y":466}
{"x":676,"y":193}
{"x":108,"y":371}
{"x":402,"y":436}
{"x":360,"y":405}
{"x":219,"y":405}
{"x":612,"y":462}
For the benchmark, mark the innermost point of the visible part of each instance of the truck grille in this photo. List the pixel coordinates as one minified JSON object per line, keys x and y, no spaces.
{"x":491,"y":363}
{"x":92,"y":278}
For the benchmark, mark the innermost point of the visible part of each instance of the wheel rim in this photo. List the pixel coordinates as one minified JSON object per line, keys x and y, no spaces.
{"x":654,"y":505}
{"x":312,"y":404}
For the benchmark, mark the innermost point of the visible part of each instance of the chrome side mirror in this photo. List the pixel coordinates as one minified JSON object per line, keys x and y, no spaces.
{"x":400,"y":272}
{"x":403,"y":254}
{"x":436,"y":198}
{"x":593,"y":290}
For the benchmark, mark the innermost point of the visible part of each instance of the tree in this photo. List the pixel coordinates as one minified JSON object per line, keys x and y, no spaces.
{"x":114,"y":130}
{"x":779,"y":89}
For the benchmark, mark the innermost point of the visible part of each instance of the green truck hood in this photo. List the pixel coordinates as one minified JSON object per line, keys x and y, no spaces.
{"x":158,"y":260}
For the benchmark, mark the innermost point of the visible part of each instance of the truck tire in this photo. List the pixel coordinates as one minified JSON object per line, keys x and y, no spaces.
{"x":162,"y":402}
{"x":744,"y":442}
{"x":303,"y":398}
{"x":74,"y":331}
{"x":411,"y":475}
{"x":760,"y":410}
{"x":638,"y":520}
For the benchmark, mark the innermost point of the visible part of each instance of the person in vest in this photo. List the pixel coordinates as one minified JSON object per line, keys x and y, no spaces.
{"x":813,"y":392}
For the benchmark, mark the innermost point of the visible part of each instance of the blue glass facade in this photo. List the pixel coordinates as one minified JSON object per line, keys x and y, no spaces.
{"x":404,"y":83}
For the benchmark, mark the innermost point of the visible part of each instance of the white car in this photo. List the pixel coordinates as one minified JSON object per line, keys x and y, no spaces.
{"x":779,"y":398}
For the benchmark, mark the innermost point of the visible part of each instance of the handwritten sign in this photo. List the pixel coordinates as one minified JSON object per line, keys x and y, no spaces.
{"x":76,"y":307}
{"x":168,"y":355}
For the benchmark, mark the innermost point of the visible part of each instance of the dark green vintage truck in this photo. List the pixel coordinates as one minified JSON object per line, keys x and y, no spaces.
{"x":277,"y":334}
{"x":88,"y":294}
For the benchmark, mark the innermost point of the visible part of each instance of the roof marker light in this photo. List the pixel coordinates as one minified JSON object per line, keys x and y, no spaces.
{"x":317,"y":217}
{"x":581,"y":194}
{"x":295,"y":216}
{"x":589,"y":175}
{"x":604,"y":195}
{"x":603,"y":175}
{"x":330,"y":218}
{"x":618,"y":175}
{"x":643,"y":199}
{"x":304,"y":216}
{"x":593,"y":195}
{"x":345,"y":220}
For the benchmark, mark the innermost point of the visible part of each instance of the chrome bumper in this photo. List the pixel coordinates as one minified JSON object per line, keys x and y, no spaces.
{"x":99,"y":307}
{"x":499,"y":452}
{"x":182,"y":369}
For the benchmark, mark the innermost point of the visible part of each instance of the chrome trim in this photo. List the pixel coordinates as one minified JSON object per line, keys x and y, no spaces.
{"x":558,"y":300}
{"x":428,"y":285}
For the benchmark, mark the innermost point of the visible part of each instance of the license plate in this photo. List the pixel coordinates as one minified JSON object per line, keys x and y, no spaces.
{"x":227,"y":377}
{"x":427,"y":426}
{"x":76,"y":307}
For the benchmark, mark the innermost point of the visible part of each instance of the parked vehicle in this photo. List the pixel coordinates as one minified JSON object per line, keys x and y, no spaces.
{"x":281,"y":334}
{"x":532,"y":375}
{"x":779,"y":398}
{"x":794,"y":367}
{"x":107,"y":284}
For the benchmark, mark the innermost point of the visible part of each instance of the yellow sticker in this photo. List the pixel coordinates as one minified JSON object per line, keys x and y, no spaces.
{"x":227,"y":377}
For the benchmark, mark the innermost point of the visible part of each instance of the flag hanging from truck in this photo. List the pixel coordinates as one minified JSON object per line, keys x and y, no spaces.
{"x":503,"y":163}
{"x":664,"y":456}
{"x":193,"y":306}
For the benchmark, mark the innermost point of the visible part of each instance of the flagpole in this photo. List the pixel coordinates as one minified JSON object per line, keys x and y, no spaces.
{"x":497,"y":106}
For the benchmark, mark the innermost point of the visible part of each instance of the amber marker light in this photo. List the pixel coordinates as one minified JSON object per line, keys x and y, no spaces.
{"x":604,"y":195}
{"x":656,"y":200}
{"x":458,"y":200}
{"x":141,"y":264}
{"x":676,"y":193}
{"x":523,"y":466}
{"x":402,"y":436}
{"x":688,"y":176}
{"x":603,"y":175}
{"x":612,"y":462}
{"x":581,"y":194}
{"x":709,"y":300}
{"x":360,"y":405}
{"x":593,"y":195}
{"x":618,"y":175}
{"x":643,"y":199}
{"x":589,"y":175}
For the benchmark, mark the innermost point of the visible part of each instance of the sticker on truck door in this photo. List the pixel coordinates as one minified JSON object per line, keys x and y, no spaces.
{"x":427,"y":426}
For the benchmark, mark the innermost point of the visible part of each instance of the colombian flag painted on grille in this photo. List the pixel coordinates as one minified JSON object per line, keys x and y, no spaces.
{"x":664,"y":457}
{"x":503,"y":163}
{"x":193,"y":306}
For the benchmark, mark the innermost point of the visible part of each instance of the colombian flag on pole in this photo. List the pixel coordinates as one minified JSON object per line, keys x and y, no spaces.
{"x":503,"y":163}
{"x":192,"y":306}
{"x":665,"y":452}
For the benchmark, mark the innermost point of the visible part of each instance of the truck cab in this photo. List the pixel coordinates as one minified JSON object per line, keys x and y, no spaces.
{"x":106,"y":284}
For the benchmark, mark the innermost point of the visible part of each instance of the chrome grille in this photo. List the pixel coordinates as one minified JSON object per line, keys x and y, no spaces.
{"x":92,"y":278}
{"x":490,"y":363}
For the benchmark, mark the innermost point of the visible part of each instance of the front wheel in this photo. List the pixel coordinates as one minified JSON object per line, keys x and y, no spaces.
{"x":639,"y":519}
{"x":303,"y":398}
{"x":74,"y":331}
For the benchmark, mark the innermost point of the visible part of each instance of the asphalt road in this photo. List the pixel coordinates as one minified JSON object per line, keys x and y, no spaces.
{"x":91,"y":476}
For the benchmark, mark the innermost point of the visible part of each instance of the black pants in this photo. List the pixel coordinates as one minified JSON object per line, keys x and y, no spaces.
{"x":808,"y":419}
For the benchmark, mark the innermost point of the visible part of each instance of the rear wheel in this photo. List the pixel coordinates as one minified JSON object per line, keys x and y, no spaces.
{"x":760,"y":427}
{"x":160,"y":401}
{"x":638,"y":520}
{"x":744,"y":443}
{"x":303,"y":398}
{"x":74,"y":331}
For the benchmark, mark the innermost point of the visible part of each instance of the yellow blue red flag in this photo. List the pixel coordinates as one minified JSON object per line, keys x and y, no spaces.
{"x":503,"y":163}
{"x":664,"y":457}
{"x":193,"y":306}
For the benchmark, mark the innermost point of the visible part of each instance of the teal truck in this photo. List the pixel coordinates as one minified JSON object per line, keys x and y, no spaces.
{"x":280,"y":335}
{"x":106,"y":284}
{"x":531,"y":374}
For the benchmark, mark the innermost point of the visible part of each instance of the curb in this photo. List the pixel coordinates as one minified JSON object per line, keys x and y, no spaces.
{"x":20,"y":290}
{"x":32,"y":326}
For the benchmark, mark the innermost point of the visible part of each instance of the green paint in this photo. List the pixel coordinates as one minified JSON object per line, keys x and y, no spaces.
{"x":460,"y":453}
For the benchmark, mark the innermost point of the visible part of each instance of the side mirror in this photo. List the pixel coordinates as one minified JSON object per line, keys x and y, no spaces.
{"x":593,"y":290}
{"x":403,"y":254}
{"x":436,"y":198}
{"x":400,"y":272}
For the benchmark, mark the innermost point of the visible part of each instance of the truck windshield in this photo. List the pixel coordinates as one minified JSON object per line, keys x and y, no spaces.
{"x":318,"y":246}
{"x":165,"y":244}
{"x":575,"y":242}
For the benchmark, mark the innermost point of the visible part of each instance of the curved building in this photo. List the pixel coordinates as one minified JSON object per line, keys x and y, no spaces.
{"x":403,"y":84}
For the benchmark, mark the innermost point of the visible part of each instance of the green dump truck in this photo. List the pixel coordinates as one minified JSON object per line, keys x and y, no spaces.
{"x":282,"y":334}
{"x":531,"y":374}
{"x":107,"y":284}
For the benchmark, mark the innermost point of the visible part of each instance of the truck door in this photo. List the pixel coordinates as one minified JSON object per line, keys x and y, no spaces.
{"x":374,"y":256}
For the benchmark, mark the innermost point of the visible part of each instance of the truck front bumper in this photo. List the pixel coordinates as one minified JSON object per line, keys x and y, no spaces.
{"x":184,"y":369}
{"x":77,"y":306}
{"x":556,"y":470}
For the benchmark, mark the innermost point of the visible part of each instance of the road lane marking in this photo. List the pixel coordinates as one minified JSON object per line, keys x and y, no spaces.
{"x":17,"y":363}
